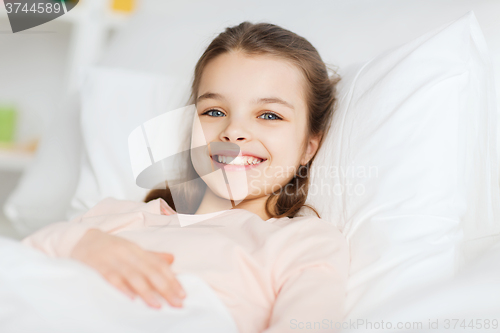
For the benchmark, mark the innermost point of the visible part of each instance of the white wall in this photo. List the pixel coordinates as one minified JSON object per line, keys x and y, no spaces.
{"x":32,"y":72}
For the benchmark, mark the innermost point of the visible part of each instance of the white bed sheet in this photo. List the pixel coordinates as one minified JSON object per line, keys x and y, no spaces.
{"x":42,"y":294}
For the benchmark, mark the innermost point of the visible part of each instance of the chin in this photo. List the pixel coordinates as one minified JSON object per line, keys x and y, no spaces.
{"x":236,"y":190}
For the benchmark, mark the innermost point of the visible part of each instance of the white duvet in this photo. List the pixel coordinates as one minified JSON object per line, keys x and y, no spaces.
{"x":42,"y":294}
{"x":51,"y":295}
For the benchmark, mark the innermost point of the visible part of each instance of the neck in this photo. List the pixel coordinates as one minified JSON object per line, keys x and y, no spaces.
{"x":212,"y":203}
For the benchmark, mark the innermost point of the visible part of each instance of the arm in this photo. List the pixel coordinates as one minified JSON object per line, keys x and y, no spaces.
{"x":312,"y":283}
{"x":310,"y":300}
{"x":109,"y":215}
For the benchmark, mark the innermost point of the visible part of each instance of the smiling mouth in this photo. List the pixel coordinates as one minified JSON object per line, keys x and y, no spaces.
{"x":238,"y":160}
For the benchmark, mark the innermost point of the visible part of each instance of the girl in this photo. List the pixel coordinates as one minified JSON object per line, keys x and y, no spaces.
{"x":263,"y":102}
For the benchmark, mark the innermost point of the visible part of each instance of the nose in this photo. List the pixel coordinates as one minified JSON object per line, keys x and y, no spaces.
{"x":235,"y":131}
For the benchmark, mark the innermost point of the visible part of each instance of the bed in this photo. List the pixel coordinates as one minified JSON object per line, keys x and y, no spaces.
{"x":411,"y":164}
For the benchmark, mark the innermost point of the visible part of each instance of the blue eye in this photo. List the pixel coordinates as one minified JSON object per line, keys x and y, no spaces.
{"x":219,"y":114}
{"x":276,"y":117}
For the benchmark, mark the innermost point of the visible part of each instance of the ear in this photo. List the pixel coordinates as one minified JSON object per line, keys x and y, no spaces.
{"x":312,"y":147}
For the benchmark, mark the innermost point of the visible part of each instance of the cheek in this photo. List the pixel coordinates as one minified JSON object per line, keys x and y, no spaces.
{"x":205,"y":132}
{"x":284,"y":147}
{"x":197,"y":134}
{"x":199,"y":149}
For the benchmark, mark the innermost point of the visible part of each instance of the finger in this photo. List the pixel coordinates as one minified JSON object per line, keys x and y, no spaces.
{"x":120,"y":283}
{"x":170,"y":277}
{"x":140,"y":285}
{"x":162,"y":279}
{"x":165,"y":289}
{"x":147,"y":267}
{"x":165,"y":286}
{"x":166,"y":256}
{"x":169,"y":258}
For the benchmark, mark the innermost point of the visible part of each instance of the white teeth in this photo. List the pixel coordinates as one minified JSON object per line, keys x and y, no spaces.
{"x":239,"y":160}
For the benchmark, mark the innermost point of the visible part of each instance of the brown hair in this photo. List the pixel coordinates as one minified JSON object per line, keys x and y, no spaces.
{"x":272,"y":40}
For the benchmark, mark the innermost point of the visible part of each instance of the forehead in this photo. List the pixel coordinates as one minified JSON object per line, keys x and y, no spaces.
{"x":239,"y":76}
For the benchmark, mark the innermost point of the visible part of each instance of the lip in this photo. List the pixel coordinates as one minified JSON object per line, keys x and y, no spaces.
{"x":230,"y":167}
{"x":234,"y":153}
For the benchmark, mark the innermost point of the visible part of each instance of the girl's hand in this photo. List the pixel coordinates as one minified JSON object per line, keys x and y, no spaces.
{"x":130,"y":268}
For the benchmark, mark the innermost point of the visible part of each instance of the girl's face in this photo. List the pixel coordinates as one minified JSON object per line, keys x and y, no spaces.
{"x":253,"y":106}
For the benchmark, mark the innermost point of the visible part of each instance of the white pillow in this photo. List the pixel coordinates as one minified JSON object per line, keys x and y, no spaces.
{"x":414,"y":144}
{"x":114,"y":102}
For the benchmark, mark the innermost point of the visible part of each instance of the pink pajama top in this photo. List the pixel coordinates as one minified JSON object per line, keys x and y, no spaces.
{"x":275,"y":276}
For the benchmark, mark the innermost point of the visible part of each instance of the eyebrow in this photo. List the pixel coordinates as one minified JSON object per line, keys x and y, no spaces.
{"x":264,"y":100}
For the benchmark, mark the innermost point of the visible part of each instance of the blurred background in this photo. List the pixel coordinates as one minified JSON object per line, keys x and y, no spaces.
{"x":42,"y":66}
{"x":39,"y":67}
